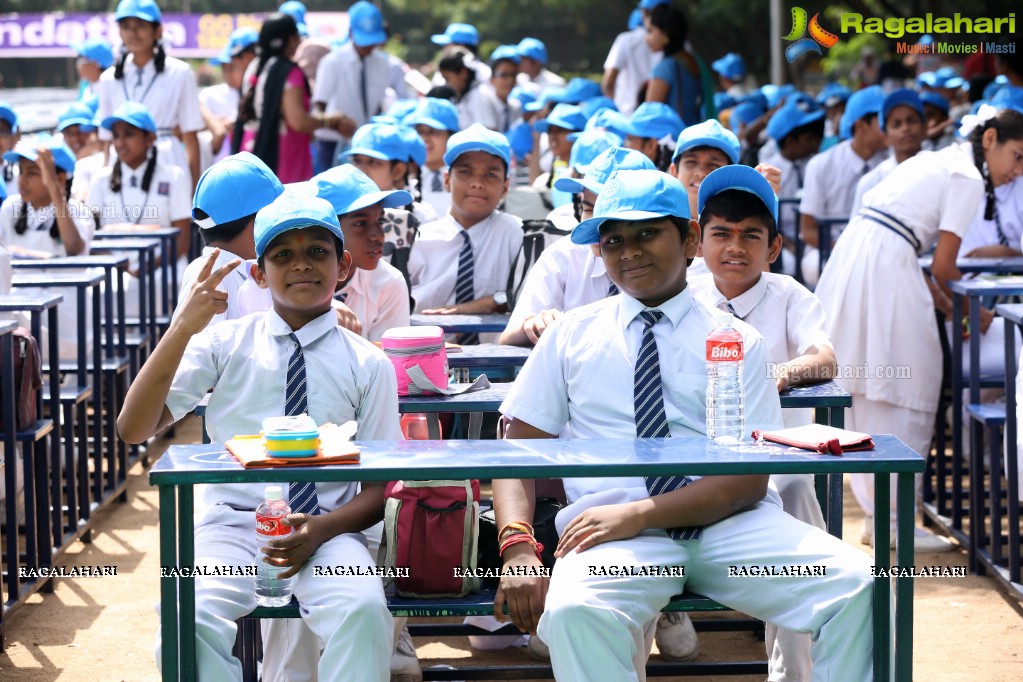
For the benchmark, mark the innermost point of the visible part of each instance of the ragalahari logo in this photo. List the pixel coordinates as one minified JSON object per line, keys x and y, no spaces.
{"x":818,"y":36}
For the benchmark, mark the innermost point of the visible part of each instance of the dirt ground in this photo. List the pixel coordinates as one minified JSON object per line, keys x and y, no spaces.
{"x":103,"y":629}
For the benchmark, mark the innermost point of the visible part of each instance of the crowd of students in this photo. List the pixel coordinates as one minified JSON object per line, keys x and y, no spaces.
{"x":331,"y":204}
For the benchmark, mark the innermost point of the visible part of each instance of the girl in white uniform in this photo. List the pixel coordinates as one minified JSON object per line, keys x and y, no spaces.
{"x":166,"y":85}
{"x":879,"y":308}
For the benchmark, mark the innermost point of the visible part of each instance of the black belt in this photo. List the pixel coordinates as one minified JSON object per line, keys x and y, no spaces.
{"x":893,"y":224}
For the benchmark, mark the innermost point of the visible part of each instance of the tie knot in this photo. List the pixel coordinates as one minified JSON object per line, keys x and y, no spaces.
{"x":294,"y":339}
{"x":727,"y":307}
{"x":651,"y":317}
{"x":465,"y":238}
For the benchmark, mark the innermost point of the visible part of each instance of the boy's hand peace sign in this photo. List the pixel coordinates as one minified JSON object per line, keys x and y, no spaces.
{"x":204,"y":300}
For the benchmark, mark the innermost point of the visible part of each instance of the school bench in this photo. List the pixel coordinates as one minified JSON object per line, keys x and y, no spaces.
{"x":184,"y":466}
{"x":464,"y":324}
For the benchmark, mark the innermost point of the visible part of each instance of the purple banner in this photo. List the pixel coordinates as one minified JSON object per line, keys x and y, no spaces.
{"x":184,"y":35}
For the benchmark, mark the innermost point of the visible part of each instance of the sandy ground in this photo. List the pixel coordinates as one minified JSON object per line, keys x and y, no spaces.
{"x":966,"y":629}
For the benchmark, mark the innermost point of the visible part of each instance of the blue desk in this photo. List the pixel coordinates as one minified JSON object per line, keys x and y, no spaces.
{"x":168,"y":237}
{"x":973,"y":266}
{"x":146,"y":251}
{"x":464,"y":324}
{"x":488,"y":355}
{"x":1007,"y":569}
{"x":184,"y":466}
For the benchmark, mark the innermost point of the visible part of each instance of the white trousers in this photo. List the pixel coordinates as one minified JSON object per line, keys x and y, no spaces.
{"x":598,"y":627}
{"x":913,"y":427}
{"x":348,"y":615}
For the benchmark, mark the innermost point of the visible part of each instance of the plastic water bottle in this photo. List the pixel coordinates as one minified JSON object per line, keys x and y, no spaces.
{"x":415,"y":426}
{"x":271,"y":590}
{"x":725,"y":402}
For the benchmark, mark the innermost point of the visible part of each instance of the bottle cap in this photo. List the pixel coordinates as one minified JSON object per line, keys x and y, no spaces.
{"x":274,"y":492}
{"x":722,"y":317}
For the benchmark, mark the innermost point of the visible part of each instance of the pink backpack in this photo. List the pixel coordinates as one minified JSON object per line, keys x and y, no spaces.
{"x":419,"y":357}
{"x":432,"y":529}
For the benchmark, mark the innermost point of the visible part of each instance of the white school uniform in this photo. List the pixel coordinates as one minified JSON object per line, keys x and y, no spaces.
{"x":171,"y":96}
{"x":544,"y":79}
{"x":433,"y":265}
{"x":478,"y":105}
{"x":871,"y":180}
{"x":1009,"y":201}
{"x":347,"y":378}
{"x":222,"y":101}
{"x":85,"y":168}
{"x":635,"y":61}
{"x":379,"y":298}
{"x":600,"y":627}
{"x":438,"y":200}
{"x":231,"y":284}
{"x":790,"y":187}
{"x":169,"y":198}
{"x":338,"y":86}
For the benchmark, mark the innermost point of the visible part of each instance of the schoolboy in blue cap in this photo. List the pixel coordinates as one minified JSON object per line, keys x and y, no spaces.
{"x":297,"y":11}
{"x":227,"y":198}
{"x":220,"y":102}
{"x":461,"y":262}
{"x":94,"y":57}
{"x":940,"y":132}
{"x":307,"y":364}
{"x":652,"y":129}
{"x":739,"y":241}
{"x":533,"y":72}
{"x":504,"y":70}
{"x":554,"y":151}
{"x":8,"y":138}
{"x":436,"y":120}
{"x":731,"y":70}
{"x":829,"y":186}
{"x":596,"y":623}
{"x":77,"y":127}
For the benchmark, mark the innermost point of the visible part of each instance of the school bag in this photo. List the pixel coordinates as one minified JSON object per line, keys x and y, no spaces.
{"x":545,"y":532}
{"x":537,"y":235}
{"x":28,"y":379}
{"x":431,"y":528}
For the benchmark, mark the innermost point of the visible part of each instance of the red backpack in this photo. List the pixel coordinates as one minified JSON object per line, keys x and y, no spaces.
{"x":431,"y":528}
{"x":28,"y":379}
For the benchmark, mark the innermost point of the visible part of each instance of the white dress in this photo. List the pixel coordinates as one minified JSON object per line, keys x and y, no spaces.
{"x":879,"y":310}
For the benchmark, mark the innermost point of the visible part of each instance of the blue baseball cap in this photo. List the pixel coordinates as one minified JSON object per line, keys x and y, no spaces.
{"x":3,"y":189}
{"x":944,"y":74}
{"x":96,"y":50}
{"x":349,"y":189}
{"x":520,"y":138}
{"x":608,"y":119}
{"x":790,"y":117}
{"x":741,"y":178}
{"x":650,"y":4}
{"x":654,"y":120}
{"x":415,"y":148}
{"x":477,"y":138}
{"x":600,"y":169}
{"x":731,"y":66}
{"x":296,"y":10}
{"x":457,"y":34}
{"x":722,"y":101}
{"x":927,"y":79}
{"x":241,"y":39}
{"x":439,"y":114}
{"x":955,"y":82}
{"x":138,"y":9}
{"x":505,"y":52}
{"x":547,"y":95}
{"x":132,"y":113}
{"x":401,"y":108}
{"x":588,"y":146}
{"x":367,"y":24}
{"x":770,"y":95}
{"x":294,"y":210}
{"x":77,"y":114}
{"x":710,"y":133}
{"x":900,"y":97}
{"x":635,"y":19}
{"x":235,"y":187}
{"x":935,"y":99}
{"x":832,"y":94}
{"x":533,"y":49}
{"x":379,"y":141}
{"x":578,"y":90}
{"x":63,"y":157}
{"x":567,"y":116}
{"x":91,"y":100}
{"x":744,"y":112}
{"x":634,"y":195}
{"x":595,"y":104}
{"x":525,"y":97}
{"x":861,"y":103}
{"x":7,"y":114}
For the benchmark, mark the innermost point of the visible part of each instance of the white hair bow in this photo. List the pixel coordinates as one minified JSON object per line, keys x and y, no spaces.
{"x":971,"y":121}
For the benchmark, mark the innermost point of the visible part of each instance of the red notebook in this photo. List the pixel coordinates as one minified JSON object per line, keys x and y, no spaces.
{"x":826,"y":440}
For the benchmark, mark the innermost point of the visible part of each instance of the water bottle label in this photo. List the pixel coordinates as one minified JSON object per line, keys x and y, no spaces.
{"x":724,"y":351}
{"x":271,"y":525}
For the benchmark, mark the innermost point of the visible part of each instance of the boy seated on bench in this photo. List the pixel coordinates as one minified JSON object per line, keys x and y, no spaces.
{"x":598,"y":625}
{"x":290,"y":360}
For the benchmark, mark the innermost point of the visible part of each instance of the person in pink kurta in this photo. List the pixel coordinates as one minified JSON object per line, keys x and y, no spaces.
{"x":274,"y":110}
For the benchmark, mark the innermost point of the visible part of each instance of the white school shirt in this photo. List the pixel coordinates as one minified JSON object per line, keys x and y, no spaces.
{"x":790,"y":187}
{"x":829,"y":185}
{"x":245,"y":362}
{"x":169,"y":197}
{"x":172,"y":98}
{"x":1009,"y":201}
{"x":379,"y":298}
{"x":439,"y":201}
{"x":569,"y":379}
{"x":222,"y":101}
{"x":339,"y":86}
{"x":544,"y":79}
{"x":787,"y":315}
{"x":37,"y":236}
{"x":433,"y":265}
{"x":635,"y":62}
{"x":85,"y":168}
{"x":871,"y":180}
{"x":565,"y":276}
{"x":479,"y":106}
{"x":231,"y":284}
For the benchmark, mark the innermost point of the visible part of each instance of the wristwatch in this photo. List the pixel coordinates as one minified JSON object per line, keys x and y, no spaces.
{"x":501,"y":299}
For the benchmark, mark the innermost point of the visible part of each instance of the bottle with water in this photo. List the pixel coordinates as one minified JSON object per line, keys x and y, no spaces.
{"x":271,"y":590}
{"x":725,"y":402}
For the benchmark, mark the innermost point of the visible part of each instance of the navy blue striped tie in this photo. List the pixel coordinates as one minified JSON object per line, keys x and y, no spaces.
{"x":651,"y":422}
{"x":612,"y":290}
{"x":464,"y":287}
{"x":301,"y":494}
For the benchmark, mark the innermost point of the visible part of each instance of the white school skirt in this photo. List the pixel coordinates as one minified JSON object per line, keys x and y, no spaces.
{"x":880,"y":317}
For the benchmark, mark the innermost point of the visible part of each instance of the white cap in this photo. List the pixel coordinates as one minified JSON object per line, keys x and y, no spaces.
{"x":274,"y":492}
{"x":721,"y":317}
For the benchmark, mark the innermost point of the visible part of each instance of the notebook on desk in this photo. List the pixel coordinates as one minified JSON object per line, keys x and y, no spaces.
{"x":820,"y":438}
